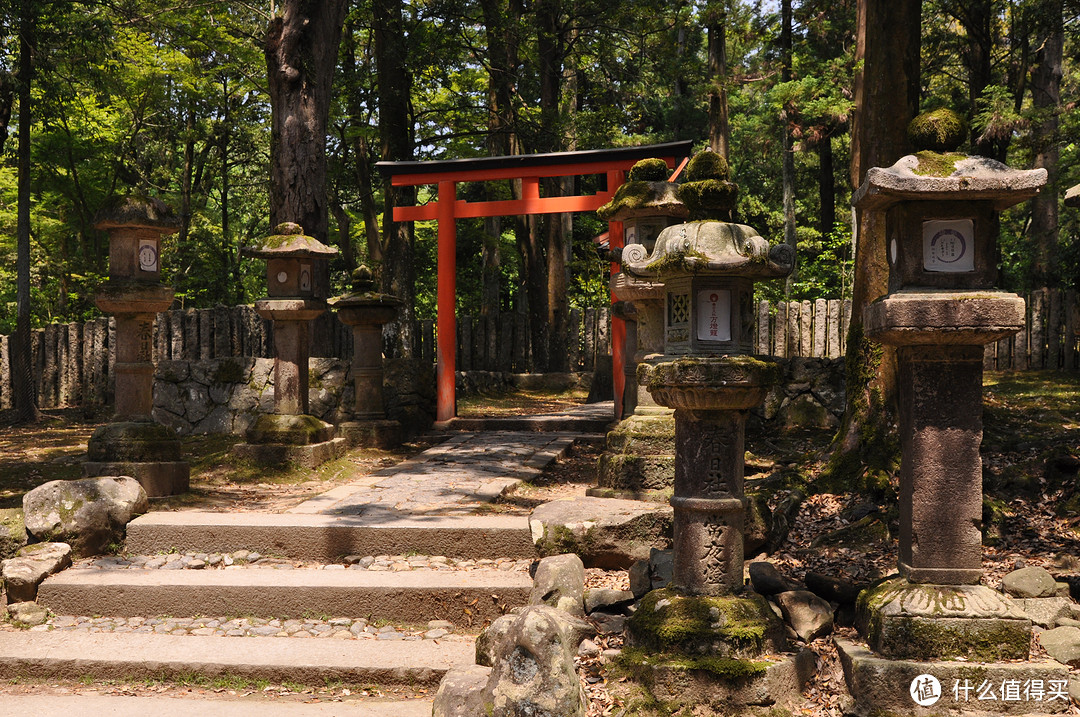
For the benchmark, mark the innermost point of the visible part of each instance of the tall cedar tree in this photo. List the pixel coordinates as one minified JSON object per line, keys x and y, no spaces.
{"x":886,"y":99}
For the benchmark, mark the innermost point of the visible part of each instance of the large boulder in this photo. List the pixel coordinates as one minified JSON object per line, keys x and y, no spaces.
{"x":536,"y":675}
{"x":604,"y":532}
{"x":89,"y":514}
{"x":1063,"y":644}
{"x":23,"y":573}
{"x":559,"y":582}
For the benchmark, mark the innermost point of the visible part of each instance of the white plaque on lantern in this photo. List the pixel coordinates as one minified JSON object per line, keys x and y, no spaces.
{"x":949,"y":245}
{"x":714,"y":315}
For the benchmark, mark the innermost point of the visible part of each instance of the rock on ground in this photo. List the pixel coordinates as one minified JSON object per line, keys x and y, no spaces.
{"x":88,"y":514}
{"x":1030,"y":582}
{"x":462,"y":692}
{"x":807,"y":614}
{"x":559,"y":582}
{"x":12,"y":532}
{"x":23,"y":573}
{"x":28,"y":613}
{"x":1063,"y":644}
{"x":767,"y":580}
{"x":536,"y":675}
{"x":605,"y":532}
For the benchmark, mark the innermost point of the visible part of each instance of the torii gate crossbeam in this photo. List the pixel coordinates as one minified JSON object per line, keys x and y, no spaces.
{"x":529,"y":168}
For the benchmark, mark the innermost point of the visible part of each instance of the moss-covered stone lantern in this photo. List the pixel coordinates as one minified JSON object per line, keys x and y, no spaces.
{"x":366,"y":311}
{"x":289,"y":434}
{"x":132,"y":443}
{"x":708,"y":266}
{"x":940,"y":210}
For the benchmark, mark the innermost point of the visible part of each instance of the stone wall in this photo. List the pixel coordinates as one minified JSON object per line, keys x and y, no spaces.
{"x":811,"y":394}
{"x":226,"y":395}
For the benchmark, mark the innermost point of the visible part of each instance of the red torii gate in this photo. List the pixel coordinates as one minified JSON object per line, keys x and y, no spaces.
{"x":529,"y":168}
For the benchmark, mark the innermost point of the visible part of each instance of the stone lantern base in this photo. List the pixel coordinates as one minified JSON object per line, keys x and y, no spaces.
{"x":724,"y":651}
{"x":916,"y":621}
{"x":144,"y":450}
{"x":375,"y":433}
{"x":638,"y":462}
{"x":302,"y":440}
{"x":883,"y":687}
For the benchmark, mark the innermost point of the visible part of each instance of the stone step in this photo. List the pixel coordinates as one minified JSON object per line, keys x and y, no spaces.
{"x":107,"y":656}
{"x":326,"y":538}
{"x":127,"y":706}
{"x":534,"y":424}
{"x":464,"y":597}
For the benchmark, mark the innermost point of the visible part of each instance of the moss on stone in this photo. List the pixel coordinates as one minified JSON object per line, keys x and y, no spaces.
{"x":649,"y":170}
{"x":229,"y":371}
{"x":667,"y":620}
{"x":708,"y":198}
{"x":677,"y":262}
{"x":707,"y":165}
{"x":629,"y":195}
{"x":937,"y":164}
{"x":728,"y":668}
{"x":940,"y":130}
{"x":12,"y":532}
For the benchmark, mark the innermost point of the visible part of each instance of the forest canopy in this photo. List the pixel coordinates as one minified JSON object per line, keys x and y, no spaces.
{"x":172,"y":101}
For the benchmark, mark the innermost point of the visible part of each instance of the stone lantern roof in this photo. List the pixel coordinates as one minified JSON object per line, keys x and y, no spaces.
{"x":930,"y":175}
{"x":710,"y":248}
{"x":363,"y":293}
{"x":646,"y":193}
{"x":938,"y":171}
{"x":137,"y":212}
{"x":288,"y":241}
{"x":1072,"y":196}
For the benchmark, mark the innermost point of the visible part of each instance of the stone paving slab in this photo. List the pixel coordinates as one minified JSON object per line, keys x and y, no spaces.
{"x":452,"y":478}
{"x":326,"y":538}
{"x":67,"y":705}
{"x":74,"y":655}
{"x":462,"y":597}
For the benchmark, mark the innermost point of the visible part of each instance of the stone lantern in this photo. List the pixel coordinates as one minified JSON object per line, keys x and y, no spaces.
{"x":646,"y":205}
{"x":290,"y":434}
{"x":940,"y":211}
{"x":366,"y":310}
{"x":708,"y":267}
{"x":132,"y":443}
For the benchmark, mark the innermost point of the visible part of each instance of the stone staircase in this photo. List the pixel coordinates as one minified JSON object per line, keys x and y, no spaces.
{"x":390,"y":578}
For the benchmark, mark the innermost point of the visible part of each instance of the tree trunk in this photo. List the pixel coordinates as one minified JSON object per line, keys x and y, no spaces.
{"x":787,"y":170}
{"x":301,"y":53}
{"x":186,"y":174}
{"x":886,"y":99}
{"x":22,"y":378}
{"x":398,"y":273}
{"x":826,"y":186}
{"x":719,"y":129}
{"x":344,"y":242}
{"x":1046,"y":99}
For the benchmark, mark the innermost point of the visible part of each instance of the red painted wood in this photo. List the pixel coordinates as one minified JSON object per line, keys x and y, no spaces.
{"x":446,"y":399}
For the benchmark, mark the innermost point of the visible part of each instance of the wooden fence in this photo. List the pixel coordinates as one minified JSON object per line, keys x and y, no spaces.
{"x":72,"y":363}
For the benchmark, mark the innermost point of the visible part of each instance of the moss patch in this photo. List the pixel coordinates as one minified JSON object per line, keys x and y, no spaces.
{"x":723,"y":667}
{"x":937,"y":164}
{"x":678,"y":262}
{"x":649,"y":170}
{"x":707,"y":165}
{"x":666,"y":620}
{"x":708,"y":198}
{"x":940,"y":130}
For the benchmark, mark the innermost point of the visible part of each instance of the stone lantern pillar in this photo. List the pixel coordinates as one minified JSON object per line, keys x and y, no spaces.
{"x":290,"y":434}
{"x":940,"y":210}
{"x":132,"y":443}
{"x":366,"y":310}
{"x":646,"y":205}
{"x":708,"y":267}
